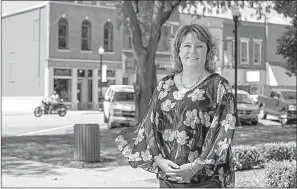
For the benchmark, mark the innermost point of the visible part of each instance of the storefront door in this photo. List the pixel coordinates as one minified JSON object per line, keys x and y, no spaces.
{"x":82,"y":94}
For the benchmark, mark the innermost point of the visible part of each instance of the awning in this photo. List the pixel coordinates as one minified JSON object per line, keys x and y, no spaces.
{"x":277,"y":74}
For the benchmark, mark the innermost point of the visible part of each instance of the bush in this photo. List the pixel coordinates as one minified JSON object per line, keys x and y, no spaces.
{"x":281,"y":174}
{"x":277,"y":151}
{"x":251,"y":157}
{"x":247,"y":157}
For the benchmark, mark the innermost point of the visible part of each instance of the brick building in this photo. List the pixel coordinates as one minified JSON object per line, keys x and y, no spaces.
{"x":54,"y":46}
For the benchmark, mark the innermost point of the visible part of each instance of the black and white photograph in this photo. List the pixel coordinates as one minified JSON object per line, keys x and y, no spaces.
{"x":148,"y":93}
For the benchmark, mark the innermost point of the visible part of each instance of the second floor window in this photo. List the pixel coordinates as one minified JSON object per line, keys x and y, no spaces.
{"x":86,"y":35}
{"x":244,"y":52}
{"x":257,"y":52}
{"x":108,"y":37}
{"x":63,"y":34}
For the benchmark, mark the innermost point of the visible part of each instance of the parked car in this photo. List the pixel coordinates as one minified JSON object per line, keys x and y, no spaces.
{"x":246,"y":107}
{"x":119,"y":105}
{"x":280,"y":103}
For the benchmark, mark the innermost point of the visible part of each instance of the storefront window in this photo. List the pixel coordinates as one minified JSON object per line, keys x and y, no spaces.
{"x":80,"y":73}
{"x":111,"y":73}
{"x":90,"y":73}
{"x":125,"y":81}
{"x":63,"y":88}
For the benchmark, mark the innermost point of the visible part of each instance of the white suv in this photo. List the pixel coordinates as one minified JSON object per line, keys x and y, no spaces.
{"x":119,"y":105}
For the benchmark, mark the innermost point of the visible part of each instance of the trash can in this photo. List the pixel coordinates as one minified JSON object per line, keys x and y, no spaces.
{"x":86,"y":142}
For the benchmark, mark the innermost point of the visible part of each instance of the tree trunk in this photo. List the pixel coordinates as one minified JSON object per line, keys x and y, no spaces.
{"x":146,"y":81}
{"x":144,"y":56}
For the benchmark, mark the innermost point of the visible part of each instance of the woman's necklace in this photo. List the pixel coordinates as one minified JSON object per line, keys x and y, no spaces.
{"x":195,"y":84}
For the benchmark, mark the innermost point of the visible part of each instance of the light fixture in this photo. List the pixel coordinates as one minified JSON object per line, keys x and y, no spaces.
{"x":235,"y":11}
{"x":236,"y":15}
{"x":101,"y":51}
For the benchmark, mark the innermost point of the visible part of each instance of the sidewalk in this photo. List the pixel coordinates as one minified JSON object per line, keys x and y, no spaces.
{"x":23,"y":173}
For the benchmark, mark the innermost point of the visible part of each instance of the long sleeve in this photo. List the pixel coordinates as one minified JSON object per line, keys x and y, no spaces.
{"x":216,"y":151}
{"x":138,"y":144}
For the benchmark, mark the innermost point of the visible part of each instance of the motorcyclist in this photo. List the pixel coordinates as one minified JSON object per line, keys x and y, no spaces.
{"x":54,"y":101}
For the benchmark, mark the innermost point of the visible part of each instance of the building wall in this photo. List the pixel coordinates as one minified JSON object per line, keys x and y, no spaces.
{"x":23,"y":60}
{"x":243,"y":78}
{"x":250,"y":31}
{"x":23,"y":54}
{"x":274,"y":32}
{"x":74,"y":58}
{"x":75,"y":14}
{"x":251,"y":76}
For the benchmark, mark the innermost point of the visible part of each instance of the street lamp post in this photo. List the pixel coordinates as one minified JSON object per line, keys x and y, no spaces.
{"x":101,"y":52}
{"x":236,"y":14}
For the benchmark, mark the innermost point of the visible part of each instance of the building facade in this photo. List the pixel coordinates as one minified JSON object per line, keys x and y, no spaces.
{"x":251,"y":70}
{"x":55,"y":47}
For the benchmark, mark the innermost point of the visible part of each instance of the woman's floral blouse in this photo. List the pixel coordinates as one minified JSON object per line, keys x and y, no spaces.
{"x":197,"y":125}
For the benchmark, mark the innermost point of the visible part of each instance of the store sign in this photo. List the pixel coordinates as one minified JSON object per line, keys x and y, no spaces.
{"x":253,"y":76}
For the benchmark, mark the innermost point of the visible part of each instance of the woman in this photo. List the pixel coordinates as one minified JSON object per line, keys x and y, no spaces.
{"x":186,"y":135}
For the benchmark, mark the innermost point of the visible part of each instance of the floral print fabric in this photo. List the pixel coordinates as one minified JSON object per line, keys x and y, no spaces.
{"x":194,"y":126}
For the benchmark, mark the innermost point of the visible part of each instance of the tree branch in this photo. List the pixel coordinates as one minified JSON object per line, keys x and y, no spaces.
{"x":135,"y":6}
{"x":134,"y":27}
{"x":155,"y":23}
{"x":169,"y":9}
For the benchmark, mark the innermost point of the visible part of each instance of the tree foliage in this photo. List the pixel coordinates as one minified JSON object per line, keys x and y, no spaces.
{"x":287,"y":43}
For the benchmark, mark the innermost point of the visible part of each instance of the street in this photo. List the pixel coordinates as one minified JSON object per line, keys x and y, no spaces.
{"x":28,"y":124}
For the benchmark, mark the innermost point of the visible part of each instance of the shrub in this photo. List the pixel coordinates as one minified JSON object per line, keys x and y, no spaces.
{"x":246,"y":157}
{"x":281,"y":174}
{"x":251,"y":157}
{"x":277,"y":151}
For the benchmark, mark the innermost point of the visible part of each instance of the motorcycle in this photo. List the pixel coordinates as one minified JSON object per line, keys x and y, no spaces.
{"x":60,"y":108}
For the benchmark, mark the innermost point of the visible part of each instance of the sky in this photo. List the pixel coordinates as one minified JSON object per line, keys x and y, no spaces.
{"x":13,"y":6}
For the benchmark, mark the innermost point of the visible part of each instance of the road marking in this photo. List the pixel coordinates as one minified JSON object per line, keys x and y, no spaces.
{"x":45,"y":130}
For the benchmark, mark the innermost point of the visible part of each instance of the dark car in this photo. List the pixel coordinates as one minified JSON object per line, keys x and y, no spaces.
{"x":247,"y":108}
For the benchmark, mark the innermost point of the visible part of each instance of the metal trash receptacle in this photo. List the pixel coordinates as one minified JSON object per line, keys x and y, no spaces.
{"x":86,"y":142}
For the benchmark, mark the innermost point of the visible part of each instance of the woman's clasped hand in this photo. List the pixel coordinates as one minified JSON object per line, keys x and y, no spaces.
{"x":175,"y":172}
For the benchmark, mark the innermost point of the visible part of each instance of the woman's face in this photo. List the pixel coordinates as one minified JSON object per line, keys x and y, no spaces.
{"x":192,"y":51}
